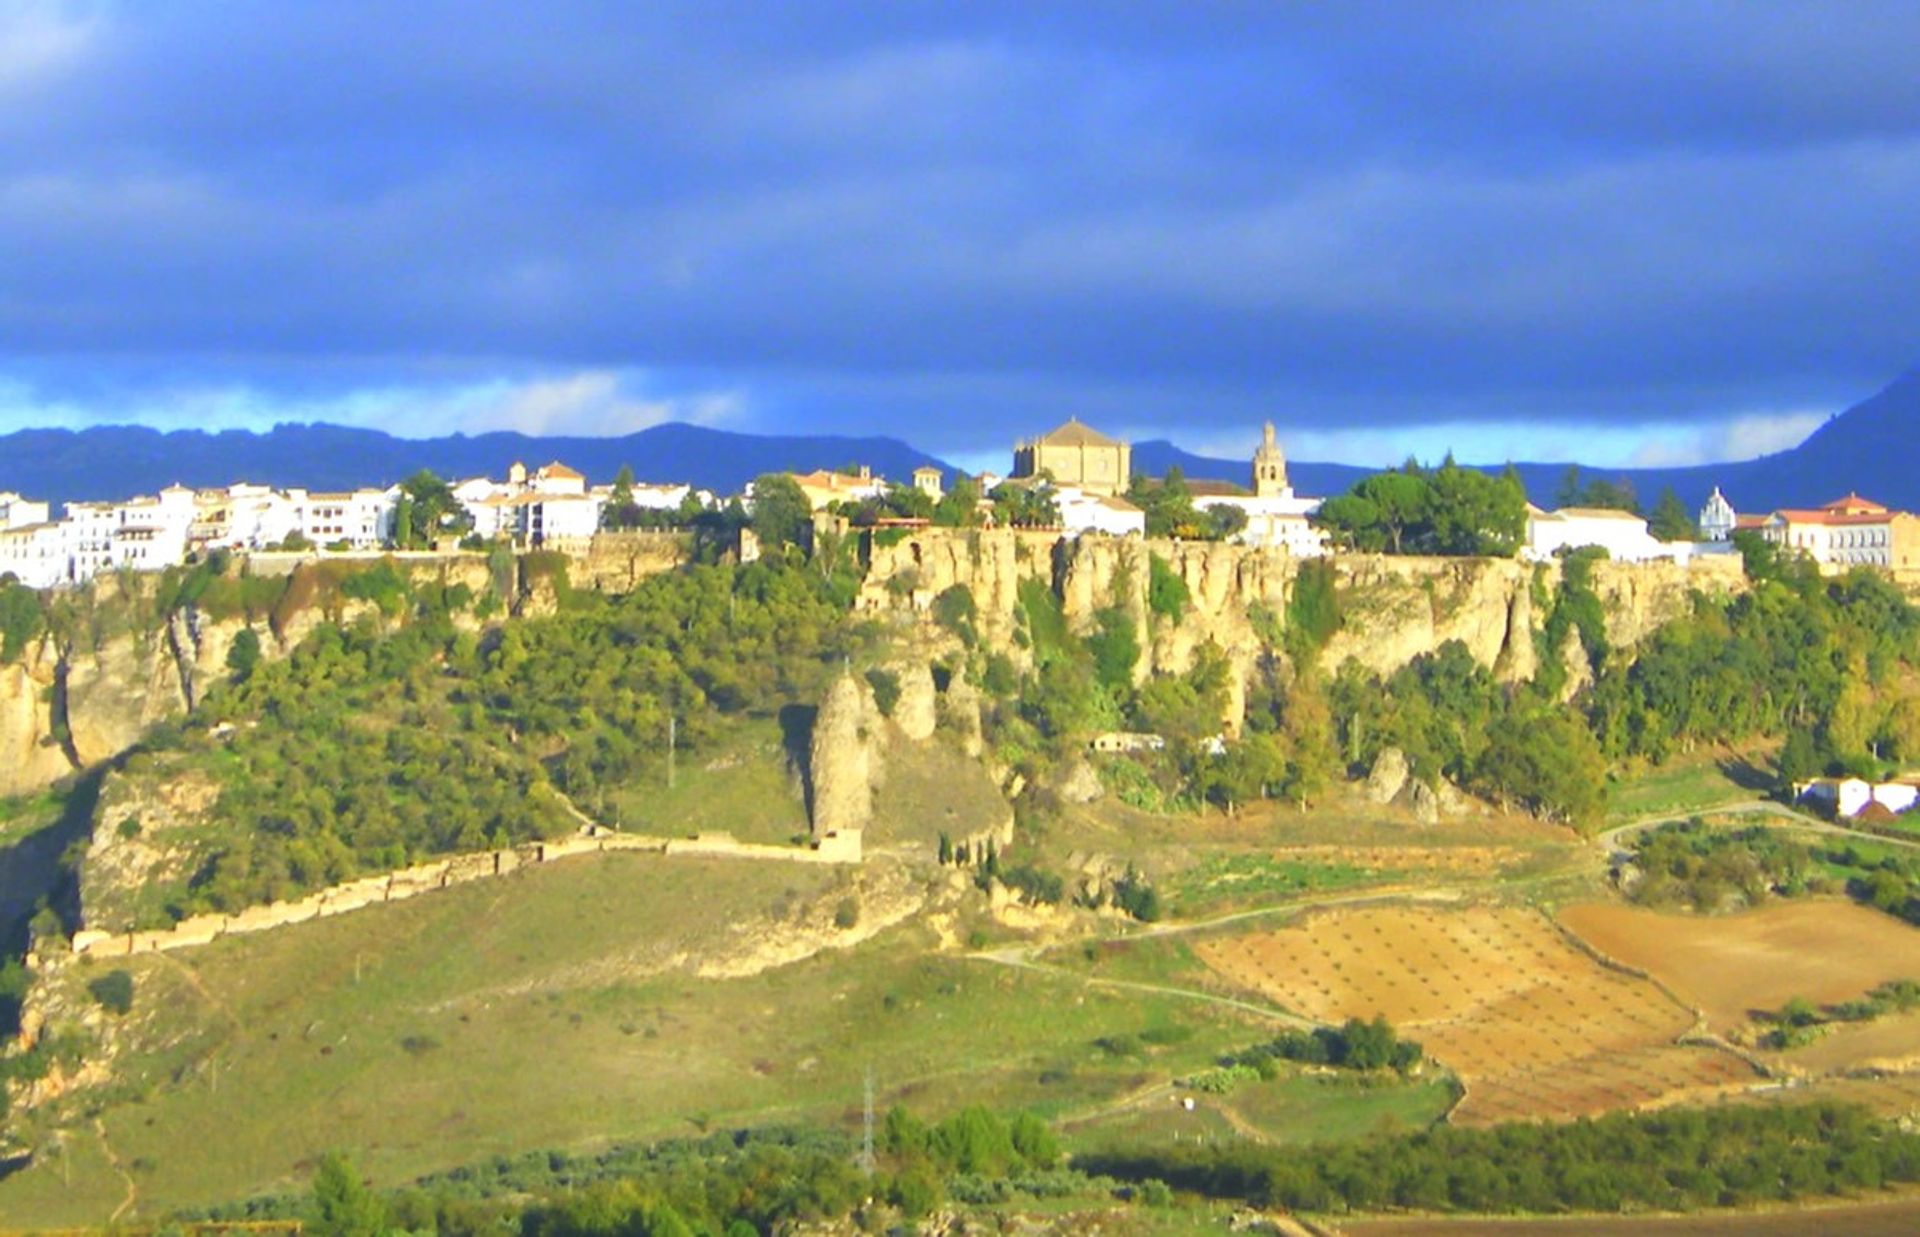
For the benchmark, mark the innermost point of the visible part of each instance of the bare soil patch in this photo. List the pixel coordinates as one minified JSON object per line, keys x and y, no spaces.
{"x":1534,"y":1027}
{"x":1825,"y":950}
{"x":1888,"y":1218}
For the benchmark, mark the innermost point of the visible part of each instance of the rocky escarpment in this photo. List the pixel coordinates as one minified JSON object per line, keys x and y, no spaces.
{"x":116,"y":667}
{"x":1393,"y":608}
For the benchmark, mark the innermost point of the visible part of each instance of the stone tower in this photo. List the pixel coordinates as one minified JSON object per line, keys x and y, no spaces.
{"x":1270,"y":468}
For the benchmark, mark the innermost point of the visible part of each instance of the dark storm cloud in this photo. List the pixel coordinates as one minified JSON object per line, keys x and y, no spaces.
{"x":1177,"y":215}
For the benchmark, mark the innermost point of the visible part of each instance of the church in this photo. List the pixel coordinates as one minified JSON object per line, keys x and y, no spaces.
{"x":1276,"y":516}
{"x":1076,"y":456}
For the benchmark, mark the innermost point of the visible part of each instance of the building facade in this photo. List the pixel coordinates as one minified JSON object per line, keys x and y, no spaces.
{"x":1848,"y":532}
{"x":1076,"y":455}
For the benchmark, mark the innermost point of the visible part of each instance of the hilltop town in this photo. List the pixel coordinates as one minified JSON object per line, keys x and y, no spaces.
{"x":1073,"y":479}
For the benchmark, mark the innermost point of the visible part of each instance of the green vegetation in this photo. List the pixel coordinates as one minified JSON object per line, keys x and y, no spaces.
{"x":1234,"y":879}
{"x":23,"y":617}
{"x":1598,"y":492}
{"x":114,"y":992}
{"x":568,"y":1011}
{"x":1444,"y":510}
{"x":1800,"y":1021}
{"x":1168,"y":506}
{"x":1356,"y":1045}
{"x":1708,"y":868}
{"x":368,"y":749}
{"x":1682,"y":1160}
{"x":1827,"y":663}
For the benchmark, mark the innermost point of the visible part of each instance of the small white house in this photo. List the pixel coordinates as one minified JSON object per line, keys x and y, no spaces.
{"x":1622,"y":534}
{"x":1081,"y":512}
{"x":1847,"y":797}
{"x":18,"y":512}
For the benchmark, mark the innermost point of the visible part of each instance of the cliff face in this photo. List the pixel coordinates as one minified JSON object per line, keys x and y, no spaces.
{"x":1394,"y":609}
{"x":72,"y":703}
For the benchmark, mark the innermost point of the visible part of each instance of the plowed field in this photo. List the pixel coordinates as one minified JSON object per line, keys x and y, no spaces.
{"x":1729,"y":965}
{"x":1533,"y":1026}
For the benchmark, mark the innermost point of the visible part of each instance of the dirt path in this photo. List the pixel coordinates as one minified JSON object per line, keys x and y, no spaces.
{"x":1774,"y":815}
{"x":1024,"y":957}
{"x":113,"y":1160}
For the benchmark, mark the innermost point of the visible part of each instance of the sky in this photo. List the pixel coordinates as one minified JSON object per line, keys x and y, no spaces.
{"x":1624,"y":233}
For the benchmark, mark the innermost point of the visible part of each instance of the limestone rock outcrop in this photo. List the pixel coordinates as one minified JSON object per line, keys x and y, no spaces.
{"x":961,"y":708}
{"x":29,"y":756}
{"x":1388,"y":776}
{"x":1079,"y":783}
{"x":840,"y":764}
{"x":916,"y":712}
{"x":1394,"y":608}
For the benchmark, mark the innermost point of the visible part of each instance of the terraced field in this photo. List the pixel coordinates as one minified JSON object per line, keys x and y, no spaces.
{"x":1534,"y":1027}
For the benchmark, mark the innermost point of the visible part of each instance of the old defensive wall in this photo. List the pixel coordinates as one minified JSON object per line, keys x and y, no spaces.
{"x":842,"y":848}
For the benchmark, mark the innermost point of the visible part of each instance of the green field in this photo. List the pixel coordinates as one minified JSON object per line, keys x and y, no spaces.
{"x":556,"y":1008}
{"x":1688,"y":784}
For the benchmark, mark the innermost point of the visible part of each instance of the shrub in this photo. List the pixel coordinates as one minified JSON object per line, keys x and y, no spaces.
{"x":113,"y":991}
{"x":1167,"y":594}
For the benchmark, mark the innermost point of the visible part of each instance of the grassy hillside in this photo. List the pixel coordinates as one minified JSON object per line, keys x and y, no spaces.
{"x":561,"y":1008}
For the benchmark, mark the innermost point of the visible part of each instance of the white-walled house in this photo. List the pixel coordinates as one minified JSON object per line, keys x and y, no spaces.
{"x":550,"y":504}
{"x":1276,"y":516}
{"x":1622,"y":534}
{"x":1081,"y":512}
{"x":34,"y":554}
{"x":1847,"y":797}
{"x":18,"y":512}
{"x":363,"y":519}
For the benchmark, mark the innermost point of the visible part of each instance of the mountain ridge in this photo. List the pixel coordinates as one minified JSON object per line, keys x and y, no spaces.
{"x":1855,"y":450}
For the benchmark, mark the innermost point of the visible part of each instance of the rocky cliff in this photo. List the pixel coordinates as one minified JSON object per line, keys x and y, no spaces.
{"x":117,"y":665}
{"x":1393,"y":608}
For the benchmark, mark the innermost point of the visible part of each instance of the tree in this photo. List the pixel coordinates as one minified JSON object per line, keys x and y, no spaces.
{"x":1671,"y":520}
{"x":959,"y":507}
{"x":435,"y":512}
{"x":342,"y":1204}
{"x":1226,"y":521}
{"x":244,"y":654}
{"x":781,"y":511}
{"x":621,"y":512}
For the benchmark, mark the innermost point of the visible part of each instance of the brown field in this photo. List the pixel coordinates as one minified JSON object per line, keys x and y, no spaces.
{"x":1888,"y":1218}
{"x":1533,"y":1026}
{"x":1729,"y":965}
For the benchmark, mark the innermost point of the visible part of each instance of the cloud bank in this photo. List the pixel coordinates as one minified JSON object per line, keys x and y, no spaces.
{"x":1508,"y":226}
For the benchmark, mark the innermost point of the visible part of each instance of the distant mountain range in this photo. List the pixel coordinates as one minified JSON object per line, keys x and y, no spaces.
{"x":121,"y":460}
{"x":1870,"y":448}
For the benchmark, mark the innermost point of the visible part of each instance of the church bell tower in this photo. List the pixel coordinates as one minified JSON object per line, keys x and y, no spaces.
{"x":1270,"y":468}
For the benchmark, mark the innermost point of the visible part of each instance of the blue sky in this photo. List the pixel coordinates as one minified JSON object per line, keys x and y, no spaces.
{"x":1625,"y":232}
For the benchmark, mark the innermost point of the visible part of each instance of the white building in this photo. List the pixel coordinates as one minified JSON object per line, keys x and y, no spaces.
{"x":151,"y":534}
{"x":359,"y":519}
{"x":1848,"y":532}
{"x":1081,"y":512}
{"x":1849,"y":796}
{"x":1622,"y":534}
{"x":550,"y":504}
{"x":243,"y":517}
{"x":18,"y":512}
{"x":650,"y":496}
{"x":1718,"y":520}
{"x":1276,"y":516}
{"x":34,"y":554}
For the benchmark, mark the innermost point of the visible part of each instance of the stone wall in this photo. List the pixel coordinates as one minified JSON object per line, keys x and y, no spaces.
{"x":441,"y":874}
